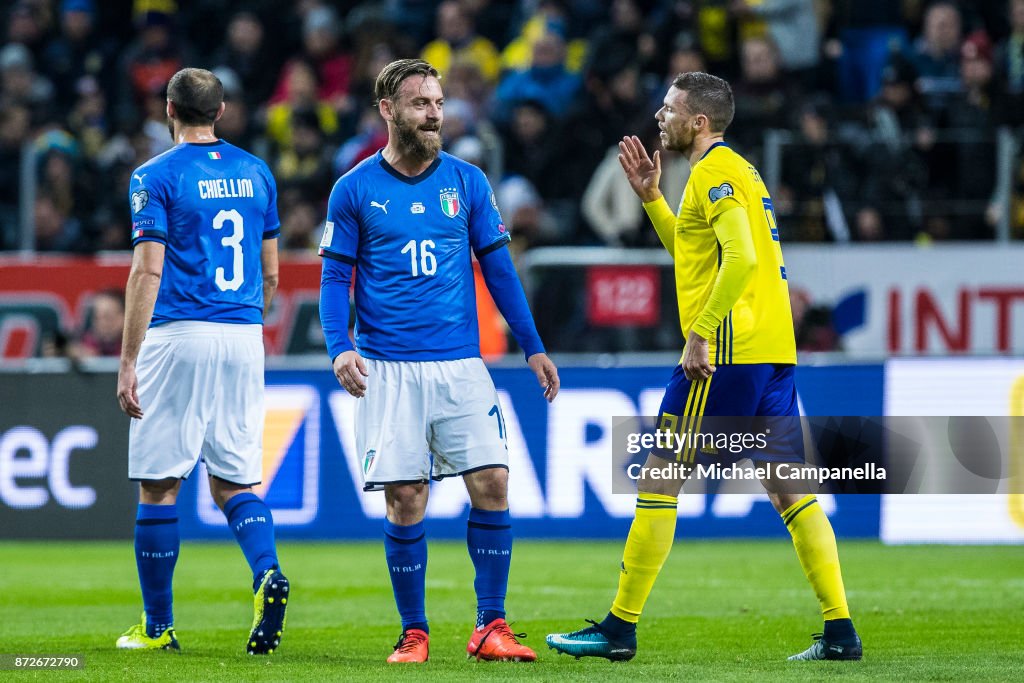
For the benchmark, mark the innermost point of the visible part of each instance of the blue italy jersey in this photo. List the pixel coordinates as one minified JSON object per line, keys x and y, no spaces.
{"x":212,"y":204}
{"x":411,"y":241}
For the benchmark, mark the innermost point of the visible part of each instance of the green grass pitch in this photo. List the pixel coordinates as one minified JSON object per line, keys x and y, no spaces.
{"x":729,"y":610}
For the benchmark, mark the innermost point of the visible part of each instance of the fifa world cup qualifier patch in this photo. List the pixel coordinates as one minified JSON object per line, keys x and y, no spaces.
{"x":139,"y":200}
{"x":325,"y":241}
{"x":720,"y":192}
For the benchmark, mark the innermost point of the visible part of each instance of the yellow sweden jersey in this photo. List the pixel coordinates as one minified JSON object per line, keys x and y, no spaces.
{"x":759,"y":328}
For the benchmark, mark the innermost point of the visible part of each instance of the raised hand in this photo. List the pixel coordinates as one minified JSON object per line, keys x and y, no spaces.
{"x":642,"y":172}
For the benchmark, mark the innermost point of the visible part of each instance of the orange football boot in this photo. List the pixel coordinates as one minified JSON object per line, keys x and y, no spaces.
{"x":413,"y":647}
{"x":496,"y":642}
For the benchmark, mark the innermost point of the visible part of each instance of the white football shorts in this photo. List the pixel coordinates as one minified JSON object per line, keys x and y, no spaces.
{"x":428,"y":420}
{"x":201,"y":392}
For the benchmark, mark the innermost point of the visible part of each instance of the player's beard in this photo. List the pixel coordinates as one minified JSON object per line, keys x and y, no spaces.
{"x":415,"y":141}
{"x":677,"y":142}
{"x":170,"y":128}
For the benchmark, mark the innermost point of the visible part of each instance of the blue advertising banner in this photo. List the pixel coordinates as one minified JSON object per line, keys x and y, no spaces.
{"x":560,"y":460}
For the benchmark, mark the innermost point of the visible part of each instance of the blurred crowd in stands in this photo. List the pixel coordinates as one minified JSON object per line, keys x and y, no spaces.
{"x":890,"y":107}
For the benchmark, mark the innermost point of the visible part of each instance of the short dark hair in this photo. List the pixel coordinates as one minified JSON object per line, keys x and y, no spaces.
{"x":708,"y":95}
{"x":390,"y":78}
{"x":197,"y":95}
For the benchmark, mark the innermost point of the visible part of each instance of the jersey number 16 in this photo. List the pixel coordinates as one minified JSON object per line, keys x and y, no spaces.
{"x":427,"y":260}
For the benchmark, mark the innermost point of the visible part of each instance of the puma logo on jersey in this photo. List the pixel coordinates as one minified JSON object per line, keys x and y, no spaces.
{"x":383,"y":207}
{"x":139,"y":177}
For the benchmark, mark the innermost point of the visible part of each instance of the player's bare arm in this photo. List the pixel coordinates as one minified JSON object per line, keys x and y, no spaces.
{"x":271,"y":273}
{"x":642,"y":172}
{"x":140,"y":297}
{"x":350,"y":369}
{"x":547,"y":374}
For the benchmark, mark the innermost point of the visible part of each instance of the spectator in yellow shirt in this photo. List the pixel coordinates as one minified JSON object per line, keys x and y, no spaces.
{"x":458,"y":41}
{"x":302,"y":94}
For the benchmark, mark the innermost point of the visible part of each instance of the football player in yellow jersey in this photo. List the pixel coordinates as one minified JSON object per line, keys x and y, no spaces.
{"x":738,"y":359}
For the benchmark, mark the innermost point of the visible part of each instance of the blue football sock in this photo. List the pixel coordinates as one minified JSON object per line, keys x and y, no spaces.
{"x":618,"y":628}
{"x":489,"y":537}
{"x":405,"y":548}
{"x":839,"y":629}
{"x":156,"y":552}
{"x":253,"y":526}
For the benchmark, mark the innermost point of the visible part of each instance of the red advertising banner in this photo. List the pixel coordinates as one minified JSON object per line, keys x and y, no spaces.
{"x":619,"y":296}
{"x":43,"y":295}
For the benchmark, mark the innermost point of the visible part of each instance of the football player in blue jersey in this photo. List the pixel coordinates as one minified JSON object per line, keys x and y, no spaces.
{"x":409,"y":220}
{"x":204,"y":270}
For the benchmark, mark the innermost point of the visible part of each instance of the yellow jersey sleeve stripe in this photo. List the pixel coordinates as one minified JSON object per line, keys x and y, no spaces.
{"x":718,"y":345}
{"x":719,"y":337}
{"x":723,"y":340}
{"x":729,"y":318}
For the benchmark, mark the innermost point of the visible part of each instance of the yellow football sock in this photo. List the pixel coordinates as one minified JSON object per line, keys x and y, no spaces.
{"x":647,"y":546}
{"x":815,"y":544}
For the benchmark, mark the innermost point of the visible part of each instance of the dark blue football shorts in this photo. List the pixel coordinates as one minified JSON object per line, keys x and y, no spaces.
{"x":741,"y":411}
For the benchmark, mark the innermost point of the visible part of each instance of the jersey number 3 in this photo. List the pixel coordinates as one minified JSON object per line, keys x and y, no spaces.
{"x":234,"y":240}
